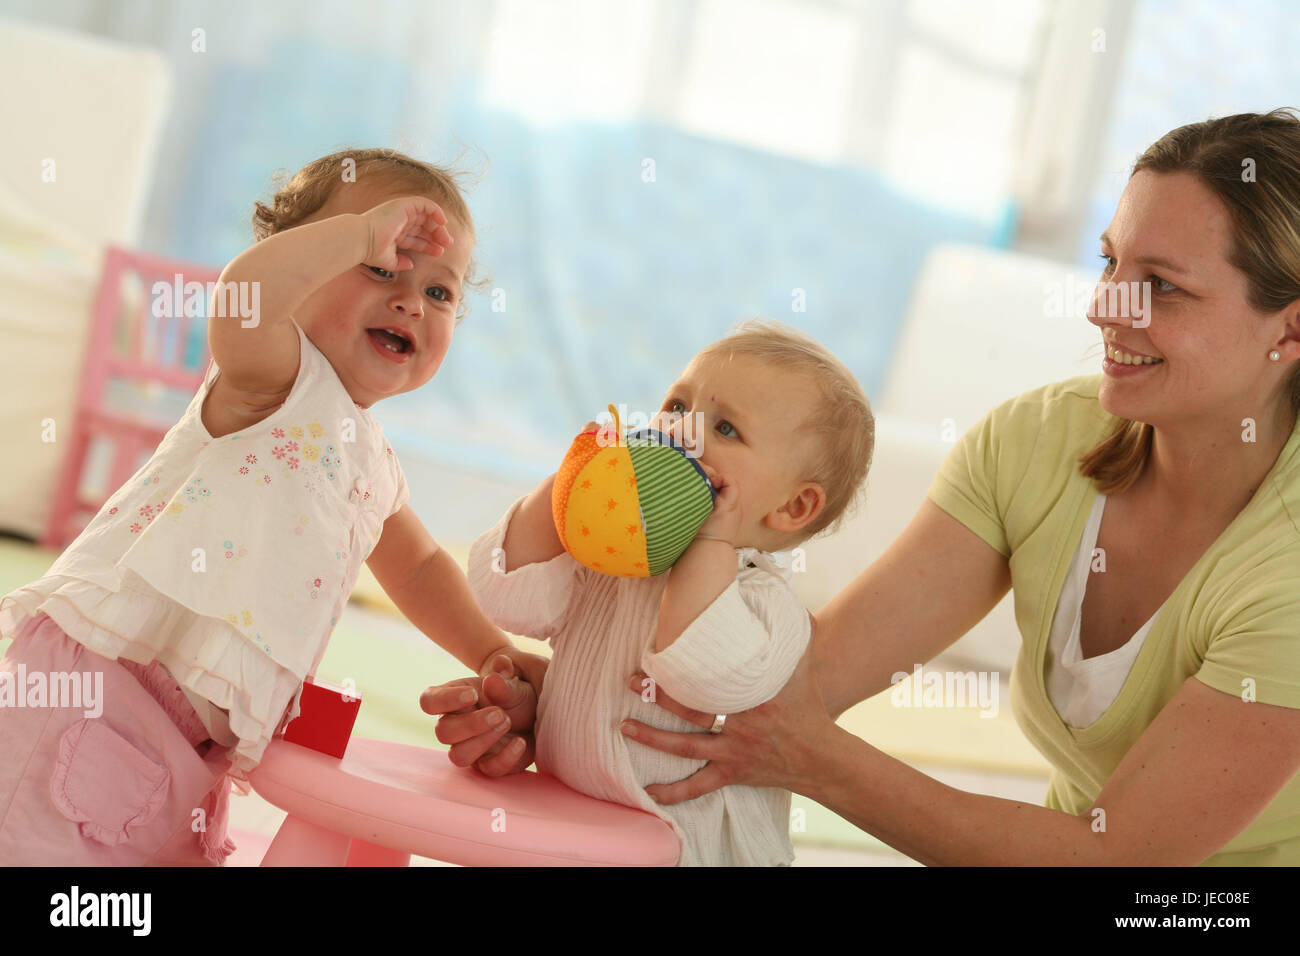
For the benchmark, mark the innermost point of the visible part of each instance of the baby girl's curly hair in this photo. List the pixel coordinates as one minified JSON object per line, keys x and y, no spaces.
{"x":306,"y":191}
{"x":842,"y":424}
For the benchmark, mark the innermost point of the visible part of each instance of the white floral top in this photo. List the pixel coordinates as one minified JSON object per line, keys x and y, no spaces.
{"x":230,"y":559}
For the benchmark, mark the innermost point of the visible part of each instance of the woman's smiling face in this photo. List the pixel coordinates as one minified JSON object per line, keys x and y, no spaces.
{"x":1171,"y":231}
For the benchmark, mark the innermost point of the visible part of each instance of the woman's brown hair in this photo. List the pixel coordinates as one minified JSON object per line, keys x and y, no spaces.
{"x":1265,"y":222}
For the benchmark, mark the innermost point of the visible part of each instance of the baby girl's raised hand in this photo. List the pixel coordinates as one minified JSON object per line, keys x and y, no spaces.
{"x":725,"y":520}
{"x":408,"y":222}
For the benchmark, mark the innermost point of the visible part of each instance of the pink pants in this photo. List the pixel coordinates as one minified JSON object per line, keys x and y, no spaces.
{"x":139,"y":785}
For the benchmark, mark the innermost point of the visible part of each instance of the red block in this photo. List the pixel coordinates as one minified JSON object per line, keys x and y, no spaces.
{"x":328,"y":713}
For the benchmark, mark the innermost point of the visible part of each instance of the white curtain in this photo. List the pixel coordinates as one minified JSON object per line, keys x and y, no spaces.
{"x":806,"y":156}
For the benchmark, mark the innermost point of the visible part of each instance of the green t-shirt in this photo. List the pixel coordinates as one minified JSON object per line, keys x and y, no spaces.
{"x":1234,"y":618}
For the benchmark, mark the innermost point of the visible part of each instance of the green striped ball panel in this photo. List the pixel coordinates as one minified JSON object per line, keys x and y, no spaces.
{"x":675,"y":499}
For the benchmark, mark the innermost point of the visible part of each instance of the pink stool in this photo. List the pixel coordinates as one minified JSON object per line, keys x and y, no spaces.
{"x":384,"y":801}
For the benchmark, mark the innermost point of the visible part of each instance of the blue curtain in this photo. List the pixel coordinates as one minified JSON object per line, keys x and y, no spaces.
{"x":611,"y":282}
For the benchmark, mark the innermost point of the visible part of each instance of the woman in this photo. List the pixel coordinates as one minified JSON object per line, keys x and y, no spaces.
{"x":1164,"y":690}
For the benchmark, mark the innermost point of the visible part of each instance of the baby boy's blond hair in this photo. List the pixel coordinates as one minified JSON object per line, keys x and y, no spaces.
{"x":841,"y":424}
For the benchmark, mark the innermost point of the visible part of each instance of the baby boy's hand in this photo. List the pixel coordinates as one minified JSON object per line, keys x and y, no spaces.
{"x":410,"y":222}
{"x":725,"y":520}
{"x":675,"y":425}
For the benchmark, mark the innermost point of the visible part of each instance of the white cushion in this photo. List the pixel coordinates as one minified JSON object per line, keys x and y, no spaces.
{"x":978,"y":332}
{"x":96,"y":109}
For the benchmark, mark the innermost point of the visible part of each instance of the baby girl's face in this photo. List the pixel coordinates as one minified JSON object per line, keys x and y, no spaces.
{"x":749,"y":429}
{"x":420,"y":301}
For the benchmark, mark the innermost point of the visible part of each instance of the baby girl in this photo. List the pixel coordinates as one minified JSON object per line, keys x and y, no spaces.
{"x":787,"y":441}
{"x":204,"y":591}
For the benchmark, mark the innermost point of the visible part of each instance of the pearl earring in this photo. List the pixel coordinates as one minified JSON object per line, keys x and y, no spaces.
{"x":1274,"y":355}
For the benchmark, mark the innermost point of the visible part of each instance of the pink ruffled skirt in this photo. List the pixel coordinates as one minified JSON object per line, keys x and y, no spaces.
{"x":132,"y":781}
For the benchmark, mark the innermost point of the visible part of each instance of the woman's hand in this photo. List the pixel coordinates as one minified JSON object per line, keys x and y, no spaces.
{"x":470,"y":705}
{"x":776,"y":744}
{"x":410,"y":222}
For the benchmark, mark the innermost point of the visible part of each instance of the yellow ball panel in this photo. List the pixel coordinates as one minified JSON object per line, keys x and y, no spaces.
{"x":602,"y":522}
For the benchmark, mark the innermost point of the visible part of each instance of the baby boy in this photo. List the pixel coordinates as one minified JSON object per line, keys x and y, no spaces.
{"x":786,"y":440}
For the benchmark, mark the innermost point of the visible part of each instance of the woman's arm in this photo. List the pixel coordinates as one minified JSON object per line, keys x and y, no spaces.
{"x":1206,"y":767}
{"x":933,"y":584}
{"x":1202,"y":771}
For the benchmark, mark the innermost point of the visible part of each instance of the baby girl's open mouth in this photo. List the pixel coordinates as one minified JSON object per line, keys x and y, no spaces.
{"x":390,"y":344}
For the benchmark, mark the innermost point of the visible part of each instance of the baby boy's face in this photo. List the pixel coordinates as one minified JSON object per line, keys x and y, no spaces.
{"x":750,"y":427}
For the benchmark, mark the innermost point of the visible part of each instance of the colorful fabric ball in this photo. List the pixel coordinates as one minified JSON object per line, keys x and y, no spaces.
{"x":629,"y":509}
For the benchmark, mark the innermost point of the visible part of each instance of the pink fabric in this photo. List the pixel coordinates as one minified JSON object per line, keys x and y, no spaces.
{"x":121,"y":789}
{"x":112,"y":789}
{"x":170,"y":697}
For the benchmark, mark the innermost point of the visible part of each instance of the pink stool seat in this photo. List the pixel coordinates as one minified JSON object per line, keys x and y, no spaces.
{"x":384,"y":801}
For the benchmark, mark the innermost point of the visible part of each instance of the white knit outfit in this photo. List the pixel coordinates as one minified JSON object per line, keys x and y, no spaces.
{"x":737,"y":654}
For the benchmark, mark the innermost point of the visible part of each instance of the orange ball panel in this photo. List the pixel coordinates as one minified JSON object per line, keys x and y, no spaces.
{"x":584,"y":448}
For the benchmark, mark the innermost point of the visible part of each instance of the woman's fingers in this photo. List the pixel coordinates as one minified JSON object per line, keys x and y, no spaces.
{"x":780,"y":743}
{"x":463,"y":721}
{"x":705,"y":780}
{"x":478,"y":733}
{"x":692,"y":746}
{"x":489,"y":723}
{"x":450,"y":697}
{"x":513,"y":753}
{"x":652,"y":693}
{"x":469,"y":752}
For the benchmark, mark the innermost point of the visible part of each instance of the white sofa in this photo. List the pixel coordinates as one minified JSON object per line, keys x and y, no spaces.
{"x":96,"y":109}
{"x":977,"y":332}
